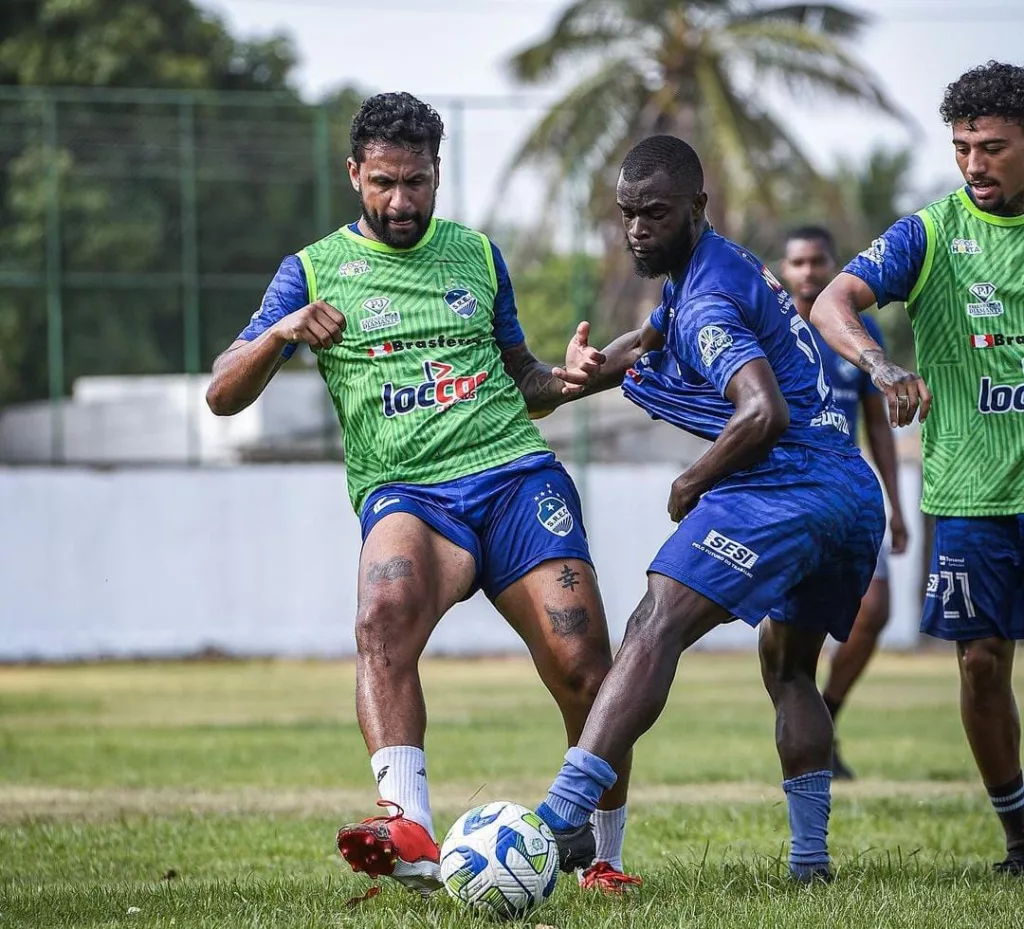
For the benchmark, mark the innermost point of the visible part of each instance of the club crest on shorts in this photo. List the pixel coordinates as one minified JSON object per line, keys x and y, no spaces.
{"x":460,"y":301}
{"x":552,"y":512}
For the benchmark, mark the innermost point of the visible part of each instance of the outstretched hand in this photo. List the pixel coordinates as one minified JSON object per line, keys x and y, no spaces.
{"x":582,"y":361}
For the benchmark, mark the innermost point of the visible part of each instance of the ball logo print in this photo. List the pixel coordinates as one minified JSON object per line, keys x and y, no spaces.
{"x":500,"y":859}
{"x":553,"y":513}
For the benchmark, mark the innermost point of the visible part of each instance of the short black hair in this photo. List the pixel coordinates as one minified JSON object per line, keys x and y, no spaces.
{"x":664,"y":153}
{"x":813,"y":234}
{"x":396,"y":119}
{"x":992,"y":89}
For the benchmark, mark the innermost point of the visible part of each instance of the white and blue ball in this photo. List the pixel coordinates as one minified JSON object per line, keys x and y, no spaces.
{"x":501,"y":859}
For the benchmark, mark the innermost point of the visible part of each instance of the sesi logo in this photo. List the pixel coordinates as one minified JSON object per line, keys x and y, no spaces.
{"x":437,"y":389}
{"x":736,"y":552}
{"x":1000,"y":398}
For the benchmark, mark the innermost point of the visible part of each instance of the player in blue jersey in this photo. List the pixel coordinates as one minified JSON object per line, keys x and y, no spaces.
{"x":764,"y":535}
{"x":809,"y":264}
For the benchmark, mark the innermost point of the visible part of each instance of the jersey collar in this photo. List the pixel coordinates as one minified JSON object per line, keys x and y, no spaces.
{"x":990,"y":218}
{"x":386,"y":249}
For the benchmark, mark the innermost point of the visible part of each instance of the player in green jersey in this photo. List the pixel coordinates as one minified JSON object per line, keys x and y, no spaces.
{"x":413,"y":322}
{"x":809,"y":264}
{"x":958,"y":265}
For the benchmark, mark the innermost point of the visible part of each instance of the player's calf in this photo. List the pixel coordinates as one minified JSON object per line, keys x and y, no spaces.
{"x":803,"y":733}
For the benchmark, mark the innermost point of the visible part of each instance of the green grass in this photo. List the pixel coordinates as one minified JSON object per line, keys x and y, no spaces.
{"x":233,"y":777}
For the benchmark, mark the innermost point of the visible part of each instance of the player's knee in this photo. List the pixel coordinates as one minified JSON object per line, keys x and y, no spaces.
{"x":386,"y":632}
{"x":983,"y":670}
{"x":784,"y":657}
{"x":582,"y":676}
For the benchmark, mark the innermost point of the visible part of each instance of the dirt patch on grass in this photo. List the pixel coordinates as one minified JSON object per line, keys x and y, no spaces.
{"x":19,"y":803}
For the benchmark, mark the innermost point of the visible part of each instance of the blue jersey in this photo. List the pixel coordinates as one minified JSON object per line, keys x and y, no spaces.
{"x":850,"y":385}
{"x":726,"y":310}
{"x":288,"y":292}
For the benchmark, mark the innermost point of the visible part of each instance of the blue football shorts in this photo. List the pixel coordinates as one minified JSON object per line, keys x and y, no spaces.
{"x":795,"y":538}
{"x":510,"y":518}
{"x":976,"y":582}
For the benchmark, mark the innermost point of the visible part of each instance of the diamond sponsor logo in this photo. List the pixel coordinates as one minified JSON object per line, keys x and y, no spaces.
{"x":380,"y":316}
{"x":985,"y":307}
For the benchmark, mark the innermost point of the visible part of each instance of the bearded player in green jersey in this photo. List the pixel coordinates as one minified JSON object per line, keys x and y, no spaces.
{"x":413,"y":322}
{"x":959,"y":265}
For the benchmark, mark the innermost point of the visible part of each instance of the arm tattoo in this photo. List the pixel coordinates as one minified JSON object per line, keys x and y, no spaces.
{"x":390,"y":570}
{"x":539,"y":387}
{"x":569,"y":579}
{"x":565,"y":623}
{"x":871,"y":358}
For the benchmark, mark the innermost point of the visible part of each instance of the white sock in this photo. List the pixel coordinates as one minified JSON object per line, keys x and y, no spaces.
{"x":609,"y":832}
{"x":401,"y":773}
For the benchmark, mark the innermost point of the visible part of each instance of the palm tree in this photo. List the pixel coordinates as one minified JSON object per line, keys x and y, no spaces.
{"x":696,"y":69}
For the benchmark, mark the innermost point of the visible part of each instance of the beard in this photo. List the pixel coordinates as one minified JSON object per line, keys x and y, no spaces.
{"x":398,"y":238}
{"x":665,"y":260}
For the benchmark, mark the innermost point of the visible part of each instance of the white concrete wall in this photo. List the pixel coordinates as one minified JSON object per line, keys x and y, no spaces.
{"x":262,"y":559}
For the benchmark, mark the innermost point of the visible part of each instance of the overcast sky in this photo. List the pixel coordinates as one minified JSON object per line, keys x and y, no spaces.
{"x":440,"y":49}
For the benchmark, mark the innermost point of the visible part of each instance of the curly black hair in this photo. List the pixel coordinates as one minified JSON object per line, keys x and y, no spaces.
{"x":993,"y":89}
{"x":396,"y":119}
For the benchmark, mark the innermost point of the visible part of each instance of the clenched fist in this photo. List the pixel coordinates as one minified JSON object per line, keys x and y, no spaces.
{"x":318,"y":324}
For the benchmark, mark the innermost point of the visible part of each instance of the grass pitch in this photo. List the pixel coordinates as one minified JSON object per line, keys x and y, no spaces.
{"x":207,"y":795}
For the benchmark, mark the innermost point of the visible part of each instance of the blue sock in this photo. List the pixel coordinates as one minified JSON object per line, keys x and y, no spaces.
{"x":810,"y":803}
{"x":574,"y":794}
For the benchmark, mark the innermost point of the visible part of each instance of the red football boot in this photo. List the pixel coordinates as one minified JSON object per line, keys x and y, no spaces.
{"x":602,"y":876}
{"x":395,"y":847}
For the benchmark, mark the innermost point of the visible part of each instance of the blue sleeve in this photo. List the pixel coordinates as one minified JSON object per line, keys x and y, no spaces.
{"x":891,"y":265}
{"x":867,"y":386}
{"x":713,"y":338}
{"x":507,"y":331}
{"x":286,"y":294}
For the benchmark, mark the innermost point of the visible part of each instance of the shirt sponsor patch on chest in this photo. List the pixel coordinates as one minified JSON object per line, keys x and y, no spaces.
{"x":381,"y":315}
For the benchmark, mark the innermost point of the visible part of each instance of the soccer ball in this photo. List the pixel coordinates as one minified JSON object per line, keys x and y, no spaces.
{"x":500,"y":858}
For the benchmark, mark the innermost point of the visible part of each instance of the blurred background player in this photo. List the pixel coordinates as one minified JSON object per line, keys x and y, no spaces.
{"x":780,"y":521}
{"x":809,"y":264}
{"x":958,"y":265}
{"x":414,"y":324}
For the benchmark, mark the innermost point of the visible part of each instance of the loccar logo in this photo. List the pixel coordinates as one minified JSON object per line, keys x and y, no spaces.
{"x":1000,"y":398}
{"x":438,"y":389}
